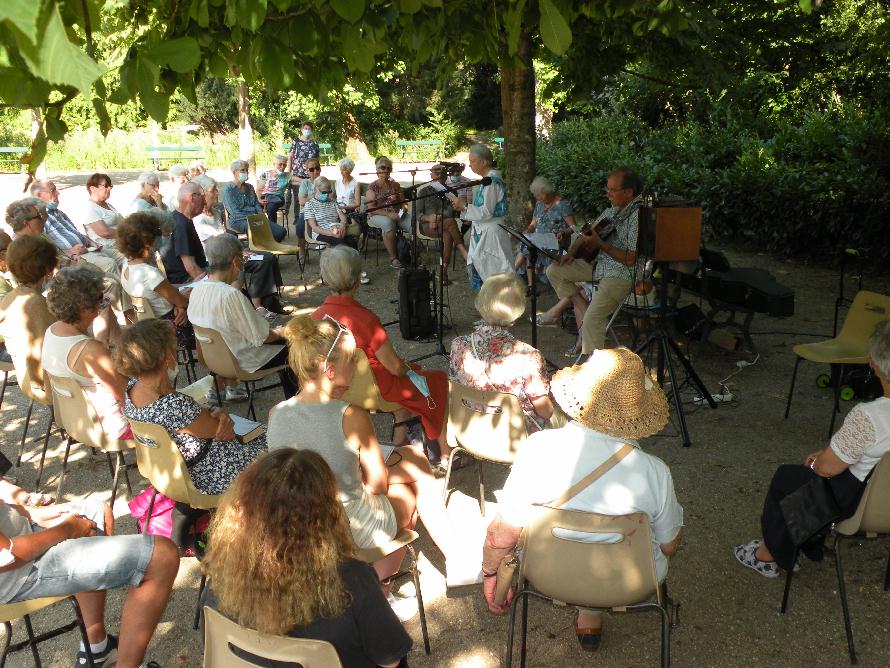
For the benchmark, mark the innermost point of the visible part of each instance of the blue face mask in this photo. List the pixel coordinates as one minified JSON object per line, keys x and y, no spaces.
{"x":52,"y":206}
{"x":307,"y":132}
{"x":322,"y":197}
{"x":423,"y":387}
{"x":242,"y":177}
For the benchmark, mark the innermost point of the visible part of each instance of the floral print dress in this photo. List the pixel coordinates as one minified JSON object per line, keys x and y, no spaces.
{"x":549,"y":220}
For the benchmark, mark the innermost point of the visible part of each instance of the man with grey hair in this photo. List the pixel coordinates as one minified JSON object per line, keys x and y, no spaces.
{"x":241,"y":201}
{"x":271,"y":186}
{"x":183,"y":255}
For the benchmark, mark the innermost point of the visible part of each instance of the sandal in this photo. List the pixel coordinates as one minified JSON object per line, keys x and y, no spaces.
{"x":575,"y":350}
{"x":589,"y":638}
{"x":36,"y":500}
{"x":746,"y":555}
{"x":546,"y":323}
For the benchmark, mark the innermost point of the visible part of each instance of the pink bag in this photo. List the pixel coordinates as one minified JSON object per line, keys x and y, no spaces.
{"x":161,"y":513}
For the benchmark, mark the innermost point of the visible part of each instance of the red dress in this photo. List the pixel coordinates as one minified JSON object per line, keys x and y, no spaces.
{"x":369,"y":335}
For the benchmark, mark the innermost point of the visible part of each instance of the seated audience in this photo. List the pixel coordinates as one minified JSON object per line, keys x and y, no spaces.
{"x":435,"y":215}
{"x":68,"y":549}
{"x":219,"y":305}
{"x":846,"y":463}
{"x":383,"y":212}
{"x":305,"y":192}
{"x":491,"y":358}
{"x":137,"y":237}
{"x":552,"y":215}
{"x":611,"y":402}
{"x":271,"y":186}
{"x":177,"y":176}
{"x":211,"y":221}
{"x":69,"y":351}
{"x":349,"y":190}
{"x":149,"y":197}
{"x":97,"y":217}
{"x":326,"y":221}
{"x":281,"y":561}
{"x":183,"y":254}
{"x":398,"y":382}
{"x":241,"y":201}
{"x":214,"y":457}
{"x":197,"y":168}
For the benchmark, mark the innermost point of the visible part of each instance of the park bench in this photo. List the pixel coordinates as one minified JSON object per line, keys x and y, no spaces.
{"x":159,"y":154}
{"x":12,"y":151}
{"x":500,"y":142}
{"x":411,"y":149}
{"x":324,"y":152}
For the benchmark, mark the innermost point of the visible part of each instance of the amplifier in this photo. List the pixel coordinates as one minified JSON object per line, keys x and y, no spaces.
{"x":669,"y":234}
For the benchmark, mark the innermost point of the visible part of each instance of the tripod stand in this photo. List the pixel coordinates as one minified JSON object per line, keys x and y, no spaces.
{"x":666,"y":347}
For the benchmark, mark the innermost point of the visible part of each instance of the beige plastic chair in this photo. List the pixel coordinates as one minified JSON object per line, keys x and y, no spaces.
{"x":35,"y":393}
{"x":144,"y":311}
{"x":222,"y":637}
{"x":610,"y":577}
{"x":404,"y":539}
{"x":489,"y":426}
{"x":364,"y":393}
{"x":80,"y":423}
{"x":6,"y":368}
{"x":259,"y":237}
{"x":9,"y":612}
{"x":871,"y":520}
{"x":216,"y":355}
{"x":850,"y":347}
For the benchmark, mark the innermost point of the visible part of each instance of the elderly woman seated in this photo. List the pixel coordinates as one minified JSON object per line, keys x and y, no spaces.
{"x":214,"y":457}
{"x":241,"y":201}
{"x":326,"y":221}
{"x":845,"y":463}
{"x":384,"y":212}
{"x":149,"y":197}
{"x":217,"y":304}
{"x":271,"y":185}
{"x":422,"y":393}
{"x":305,"y":583}
{"x":491,"y":358}
{"x":211,"y":221}
{"x":349,"y":190}
{"x":69,"y":351}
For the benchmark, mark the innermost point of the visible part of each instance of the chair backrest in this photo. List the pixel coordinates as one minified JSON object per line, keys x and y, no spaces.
{"x":866,"y":311}
{"x":159,"y":262}
{"x":489,"y":425}
{"x":161,"y":463}
{"x":872,"y":516}
{"x":363,"y":391}
{"x":596,"y":574}
{"x":259,"y":233}
{"x":222,"y":637}
{"x":215,"y":353}
{"x":76,"y":415}
{"x":143,"y":308}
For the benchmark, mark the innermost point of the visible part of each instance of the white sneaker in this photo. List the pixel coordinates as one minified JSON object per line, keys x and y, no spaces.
{"x":405,"y":607}
{"x":236,"y":392}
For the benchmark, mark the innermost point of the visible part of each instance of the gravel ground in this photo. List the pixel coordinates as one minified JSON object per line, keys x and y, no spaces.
{"x":728,"y":616}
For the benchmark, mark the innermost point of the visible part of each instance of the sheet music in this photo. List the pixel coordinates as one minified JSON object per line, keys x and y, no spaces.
{"x":544,"y":240}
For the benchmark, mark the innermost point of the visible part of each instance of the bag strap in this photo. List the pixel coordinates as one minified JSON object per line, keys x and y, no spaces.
{"x":589,"y":479}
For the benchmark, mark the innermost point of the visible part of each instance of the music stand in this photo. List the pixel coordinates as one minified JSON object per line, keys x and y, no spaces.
{"x":533,"y":251}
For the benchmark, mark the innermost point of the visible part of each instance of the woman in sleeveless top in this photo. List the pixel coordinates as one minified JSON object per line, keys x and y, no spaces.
{"x":75,"y":298}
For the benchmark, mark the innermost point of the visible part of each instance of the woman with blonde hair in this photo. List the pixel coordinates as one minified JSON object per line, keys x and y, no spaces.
{"x":281,"y":561}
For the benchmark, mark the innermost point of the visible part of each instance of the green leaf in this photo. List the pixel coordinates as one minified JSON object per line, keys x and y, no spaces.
{"x":513,"y":23}
{"x":282,"y":5}
{"x":251,"y":13}
{"x":806,"y":6}
{"x":22,"y":14}
{"x":102,"y":115}
{"x":56,"y":59}
{"x":351,"y":10}
{"x":156,"y":104}
{"x":410,"y":6}
{"x":358,"y":56}
{"x":181,"y":54}
{"x":433,"y":3}
{"x":19,"y":89}
{"x":146,"y":74}
{"x":55,"y":128}
{"x":555,"y":32}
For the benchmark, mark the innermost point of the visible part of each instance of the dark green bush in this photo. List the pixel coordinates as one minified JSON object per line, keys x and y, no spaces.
{"x":800,"y":190}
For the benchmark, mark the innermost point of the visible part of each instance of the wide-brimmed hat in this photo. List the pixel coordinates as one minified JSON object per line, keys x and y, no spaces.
{"x":611,"y":393}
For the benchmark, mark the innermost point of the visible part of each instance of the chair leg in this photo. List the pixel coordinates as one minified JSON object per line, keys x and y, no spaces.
{"x":415,"y":575}
{"x":665,"y":634}
{"x":788,"y":575}
{"x":887,"y":575}
{"x":3,"y":389}
{"x":842,"y":591}
{"x":479,"y":464}
{"x":791,"y":389}
{"x":523,"y":629}
{"x":18,"y":460}
{"x":219,"y":396}
{"x":31,"y":641}
{"x":49,"y":429}
{"x":115,"y":470}
{"x":83,"y":632}
{"x":123,"y":464}
{"x":64,"y":471}
{"x":251,"y":390}
{"x":151,"y":507}
{"x":510,"y":631}
{"x":201,"y":587}
{"x":445,"y":490}
{"x":837,"y":375}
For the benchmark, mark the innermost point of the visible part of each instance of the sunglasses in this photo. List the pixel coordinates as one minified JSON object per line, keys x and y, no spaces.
{"x":340,"y":333}
{"x":313,"y":169}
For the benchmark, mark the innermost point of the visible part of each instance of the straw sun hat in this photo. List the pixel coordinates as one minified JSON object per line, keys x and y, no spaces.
{"x":611,"y":393}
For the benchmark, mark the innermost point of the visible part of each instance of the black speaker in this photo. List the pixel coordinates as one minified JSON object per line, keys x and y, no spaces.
{"x":417,"y":319}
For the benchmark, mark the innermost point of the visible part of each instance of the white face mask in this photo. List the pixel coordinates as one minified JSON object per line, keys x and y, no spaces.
{"x":172,"y":374}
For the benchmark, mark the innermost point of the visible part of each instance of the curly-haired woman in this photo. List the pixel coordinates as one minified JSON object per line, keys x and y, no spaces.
{"x":280,"y":560}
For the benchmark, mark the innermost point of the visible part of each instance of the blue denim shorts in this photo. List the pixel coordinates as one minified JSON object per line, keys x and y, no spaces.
{"x":93,"y":563}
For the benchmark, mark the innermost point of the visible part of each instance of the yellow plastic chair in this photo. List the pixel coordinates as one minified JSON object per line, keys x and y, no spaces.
{"x":364,"y":393}
{"x":80,"y":423}
{"x":871,"y":520}
{"x":404,"y":539}
{"x":223,"y":637}
{"x":608,"y":577}
{"x":259,"y":237}
{"x":9,"y":612}
{"x":850,"y":347}
{"x":7,"y":368}
{"x":489,"y":426}
{"x":216,"y":355}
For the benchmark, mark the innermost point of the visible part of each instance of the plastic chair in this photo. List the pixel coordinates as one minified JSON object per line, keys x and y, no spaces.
{"x":144,"y":311}
{"x":311,"y":244}
{"x":259,"y":237}
{"x":228,"y":645}
{"x":216,"y":355}
{"x":161,"y":463}
{"x":871,"y":520}
{"x":35,"y":393}
{"x":488,"y":425}
{"x":6,"y":368}
{"x":364,"y":393}
{"x":610,"y":577}
{"x":850,"y":347}
{"x":404,"y":539}
{"x":9,"y":612}
{"x":80,"y":423}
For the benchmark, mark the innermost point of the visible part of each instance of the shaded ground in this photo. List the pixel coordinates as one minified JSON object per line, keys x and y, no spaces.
{"x":729,"y":615}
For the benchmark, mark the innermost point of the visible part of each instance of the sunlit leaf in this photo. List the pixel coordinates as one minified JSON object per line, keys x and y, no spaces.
{"x":156,"y":104}
{"x":22,"y":14}
{"x":513,"y":23}
{"x":555,"y":32}
{"x":55,"y":128}
{"x":351,"y":10}
{"x":251,"y":14}
{"x":358,"y":56}
{"x":180,"y":55}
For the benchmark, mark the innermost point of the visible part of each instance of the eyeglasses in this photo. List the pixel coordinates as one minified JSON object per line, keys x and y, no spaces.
{"x":326,"y":192}
{"x":384,"y":169}
{"x":343,"y":330}
{"x":609,"y":189}
{"x":313,"y":169}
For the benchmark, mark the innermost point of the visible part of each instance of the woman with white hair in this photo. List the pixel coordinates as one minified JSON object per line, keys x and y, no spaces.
{"x":492,"y":359}
{"x":177,"y":175}
{"x":149,"y":197}
{"x":552,"y":215}
{"x":490,"y":251}
{"x":272,"y":185}
{"x":349,"y":192}
{"x":383,"y":213}
{"x":326,"y":221}
{"x":197,"y":168}
{"x":209,"y":223}
{"x":241,"y":201}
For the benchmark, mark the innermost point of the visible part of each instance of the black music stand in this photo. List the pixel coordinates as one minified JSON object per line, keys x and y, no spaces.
{"x":533,"y":251}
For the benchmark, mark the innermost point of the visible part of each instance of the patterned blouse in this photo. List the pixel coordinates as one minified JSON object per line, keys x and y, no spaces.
{"x":491,"y":358}
{"x":300,"y":152}
{"x":378,"y":194}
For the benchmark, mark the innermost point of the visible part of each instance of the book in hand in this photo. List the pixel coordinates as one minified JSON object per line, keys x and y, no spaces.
{"x":246,"y":430}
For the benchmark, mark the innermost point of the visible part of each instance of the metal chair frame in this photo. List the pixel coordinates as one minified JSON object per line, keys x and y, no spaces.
{"x":35,"y":639}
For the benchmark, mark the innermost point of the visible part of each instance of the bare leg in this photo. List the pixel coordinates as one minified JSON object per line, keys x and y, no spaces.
{"x":389,"y":566}
{"x":256,"y":301}
{"x":389,"y":240}
{"x":412,"y":478}
{"x":92,"y":607}
{"x":105,"y":327}
{"x":551,"y":314}
{"x":763,"y":553}
{"x":580,"y":305}
{"x":453,"y":231}
{"x":400,"y":433}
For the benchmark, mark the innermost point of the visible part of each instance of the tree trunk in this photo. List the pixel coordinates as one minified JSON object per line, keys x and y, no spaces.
{"x":245,"y":129}
{"x":356,"y":148}
{"x":518,"y":105}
